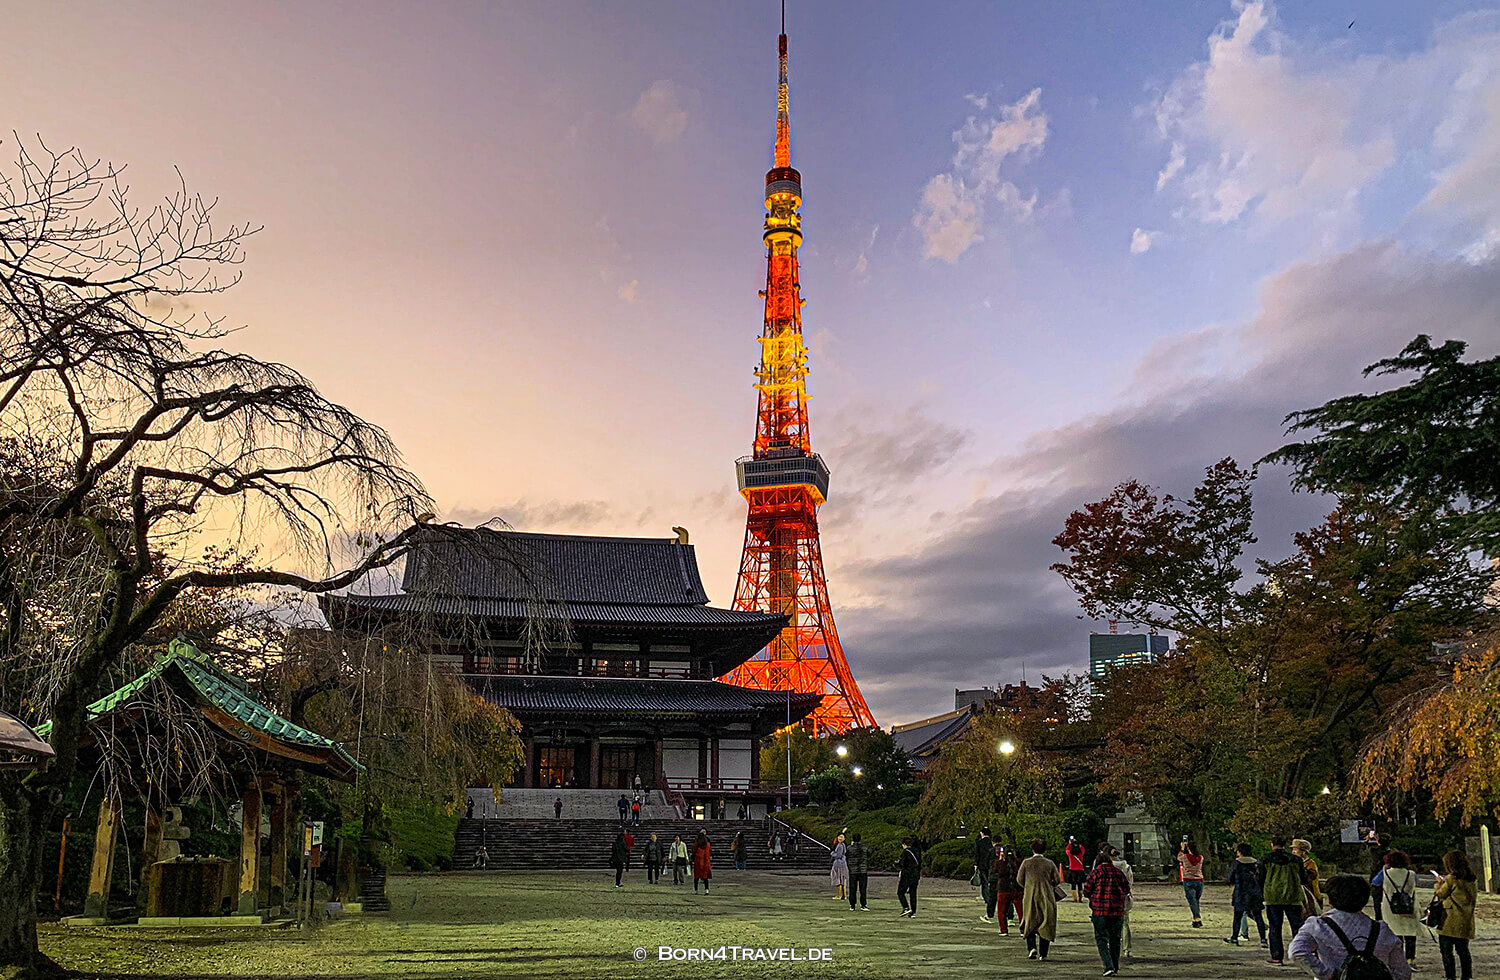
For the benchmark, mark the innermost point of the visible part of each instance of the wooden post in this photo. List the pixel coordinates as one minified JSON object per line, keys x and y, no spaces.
{"x":62,"y":851}
{"x":713,"y":761}
{"x":596,"y":763}
{"x":754,"y":764}
{"x":702,"y":762}
{"x":658,"y":752}
{"x":96,"y":906}
{"x":1489,"y":858}
{"x":150,"y":854}
{"x":250,"y":850}
{"x":528,"y":774}
{"x":276,"y":873}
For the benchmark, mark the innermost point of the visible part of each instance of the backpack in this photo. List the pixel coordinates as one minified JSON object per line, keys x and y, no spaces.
{"x":1359,"y":964}
{"x":1402,"y":902}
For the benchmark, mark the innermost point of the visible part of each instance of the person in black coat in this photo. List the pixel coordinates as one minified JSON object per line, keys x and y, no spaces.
{"x":1248,"y":900}
{"x":910,"y":875}
{"x":655,"y":854}
{"x":984,"y":860}
{"x":619,"y":854}
{"x":858,"y":856}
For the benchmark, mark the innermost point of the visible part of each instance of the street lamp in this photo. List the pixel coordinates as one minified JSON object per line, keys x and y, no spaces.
{"x":841,"y":750}
{"x":1326,"y":791}
{"x":858,"y":771}
{"x":1007,"y":747}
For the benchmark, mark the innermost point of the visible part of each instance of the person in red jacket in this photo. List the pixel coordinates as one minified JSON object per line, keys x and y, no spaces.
{"x":1190,"y":872}
{"x":703,"y":868}
{"x":1076,"y":852}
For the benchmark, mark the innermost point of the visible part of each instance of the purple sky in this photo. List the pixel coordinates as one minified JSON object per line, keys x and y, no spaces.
{"x":1048,"y":248}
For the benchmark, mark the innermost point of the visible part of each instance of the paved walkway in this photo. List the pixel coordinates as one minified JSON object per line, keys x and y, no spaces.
{"x":579,"y":925}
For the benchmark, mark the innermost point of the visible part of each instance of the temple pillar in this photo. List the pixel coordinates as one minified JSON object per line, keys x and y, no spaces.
{"x":702,"y":761}
{"x":96,"y":906}
{"x":658,"y":752}
{"x":150,"y":853}
{"x":754,"y":763}
{"x":596,"y":760}
{"x":276,"y":873}
{"x":528,"y":774}
{"x":713,"y":760}
{"x":249,"y":849}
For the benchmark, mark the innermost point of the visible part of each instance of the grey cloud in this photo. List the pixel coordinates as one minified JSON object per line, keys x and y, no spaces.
{"x":979,"y":598}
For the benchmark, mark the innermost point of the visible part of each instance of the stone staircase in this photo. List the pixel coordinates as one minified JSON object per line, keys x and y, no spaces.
{"x":552,"y":844}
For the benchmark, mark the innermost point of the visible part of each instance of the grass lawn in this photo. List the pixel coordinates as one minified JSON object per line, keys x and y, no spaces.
{"x":579,"y":925}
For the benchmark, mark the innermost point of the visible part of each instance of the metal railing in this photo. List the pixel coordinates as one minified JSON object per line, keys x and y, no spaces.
{"x":723,"y":785}
{"x":787,"y":828}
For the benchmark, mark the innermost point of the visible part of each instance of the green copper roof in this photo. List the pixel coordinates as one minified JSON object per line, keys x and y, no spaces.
{"x":219,"y":688}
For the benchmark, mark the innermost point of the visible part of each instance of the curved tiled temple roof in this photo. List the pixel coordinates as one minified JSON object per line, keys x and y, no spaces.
{"x":240,"y":714}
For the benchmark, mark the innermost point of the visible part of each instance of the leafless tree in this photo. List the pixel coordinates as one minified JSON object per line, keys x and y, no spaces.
{"x":141,"y":463}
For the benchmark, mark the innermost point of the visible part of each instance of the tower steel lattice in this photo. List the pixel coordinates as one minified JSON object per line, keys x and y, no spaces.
{"x":784,"y":481}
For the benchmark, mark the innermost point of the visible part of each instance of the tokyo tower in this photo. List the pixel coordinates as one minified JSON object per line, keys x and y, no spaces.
{"x":784,"y":481}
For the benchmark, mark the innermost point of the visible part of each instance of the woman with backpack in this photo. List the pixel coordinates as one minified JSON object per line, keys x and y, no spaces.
{"x":1398,"y":895}
{"x":1456,"y":893}
{"x":1346,"y":944}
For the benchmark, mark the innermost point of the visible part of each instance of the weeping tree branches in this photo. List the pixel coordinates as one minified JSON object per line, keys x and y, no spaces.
{"x":129,"y":441}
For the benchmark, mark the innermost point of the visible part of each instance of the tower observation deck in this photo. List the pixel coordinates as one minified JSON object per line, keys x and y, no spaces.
{"x":784,"y":482}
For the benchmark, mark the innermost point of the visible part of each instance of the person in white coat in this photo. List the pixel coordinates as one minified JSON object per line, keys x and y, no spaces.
{"x":1119,"y":861}
{"x":1398,"y":900}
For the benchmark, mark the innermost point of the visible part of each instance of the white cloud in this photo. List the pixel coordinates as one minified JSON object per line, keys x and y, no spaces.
{"x":659,"y":112}
{"x":1141,"y":240}
{"x":1272,"y":129}
{"x":980,"y":102}
{"x":1173,"y":166}
{"x":628,"y":290}
{"x":951,"y":212}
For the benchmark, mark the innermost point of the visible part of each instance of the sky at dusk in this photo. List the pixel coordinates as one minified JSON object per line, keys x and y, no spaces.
{"x":1050,"y":247}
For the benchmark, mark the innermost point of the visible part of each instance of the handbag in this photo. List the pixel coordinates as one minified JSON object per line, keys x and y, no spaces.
{"x":975,"y":879}
{"x":1435,"y":915}
{"x":1310,"y":906}
{"x":1060,"y":892}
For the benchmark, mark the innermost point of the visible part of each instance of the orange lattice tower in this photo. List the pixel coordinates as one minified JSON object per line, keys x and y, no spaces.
{"x":785,"y":482}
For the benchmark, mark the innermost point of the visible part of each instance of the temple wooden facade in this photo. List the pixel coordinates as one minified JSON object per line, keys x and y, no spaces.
{"x":625,"y":688}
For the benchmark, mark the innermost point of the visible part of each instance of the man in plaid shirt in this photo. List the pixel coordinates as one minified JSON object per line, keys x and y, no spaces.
{"x":1108,"y":892}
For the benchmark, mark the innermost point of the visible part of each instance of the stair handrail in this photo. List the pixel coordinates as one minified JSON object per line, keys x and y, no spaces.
{"x":801,"y":833}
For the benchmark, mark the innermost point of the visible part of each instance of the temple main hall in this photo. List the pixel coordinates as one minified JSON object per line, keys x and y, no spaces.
{"x":604,"y":648}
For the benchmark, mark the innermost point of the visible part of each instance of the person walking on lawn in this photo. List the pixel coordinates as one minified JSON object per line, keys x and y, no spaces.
{"x":679,"y":854}
{"x":984,"y":860}
{"x":1075,"y":852}
{"x":1007,"y":888}
{"x":737,"y":850}
{"x":1190,"y":873}
{"x":909,"y":876}
{"x":838,"y":871}
{"x":1244,"y":879}
{"x":858,"y":857}
{"x":619,"y":856}
{"x":1119,"y":861}
{"x":1346,"y":943}
{"x":1282,"y":878}
{"x":703,"y":868}
{"x":1108,"y":891}
{"x":1039,"y":879}
{"x":1398,"y":895}
{"x":653,"y":861}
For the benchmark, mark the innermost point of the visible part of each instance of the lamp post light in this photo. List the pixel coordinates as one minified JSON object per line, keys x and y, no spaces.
{"x":841,"y":750}
{"x":1326,"y":791}
{"x":1007,"y":747}
{"x":858,"y":771}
